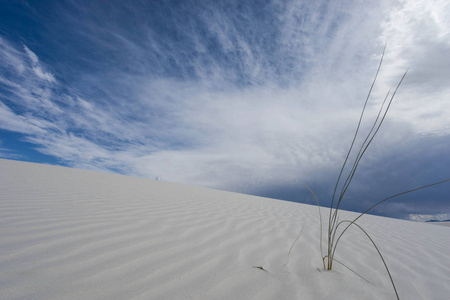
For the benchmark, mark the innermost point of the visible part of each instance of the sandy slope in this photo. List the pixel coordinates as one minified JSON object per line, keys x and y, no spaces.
{"x":73,"y":234}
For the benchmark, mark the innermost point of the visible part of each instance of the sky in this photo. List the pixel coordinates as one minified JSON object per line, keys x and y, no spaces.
{"x":256,"y":97}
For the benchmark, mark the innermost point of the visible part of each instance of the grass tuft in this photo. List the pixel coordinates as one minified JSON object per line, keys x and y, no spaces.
{"x":333,"y":237}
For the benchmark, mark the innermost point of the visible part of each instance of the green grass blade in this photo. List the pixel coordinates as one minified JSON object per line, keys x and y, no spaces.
{"x":362,"y":151}
{"x":331,"y":255}
{"x":358,"y":159}
{"x":332,"y":218}
{"x":344,"y":265}
{"x":379,"y":253}
{"x":320,"y":216}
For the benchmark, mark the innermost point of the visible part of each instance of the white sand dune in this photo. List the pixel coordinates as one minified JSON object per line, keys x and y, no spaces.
{"x":75,"y":234}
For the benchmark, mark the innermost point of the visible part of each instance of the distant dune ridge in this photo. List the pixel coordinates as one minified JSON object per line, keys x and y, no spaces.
{"x":75,"y":234}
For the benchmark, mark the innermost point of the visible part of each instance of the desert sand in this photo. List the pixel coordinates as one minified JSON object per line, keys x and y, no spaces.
{"x":76,"y":234}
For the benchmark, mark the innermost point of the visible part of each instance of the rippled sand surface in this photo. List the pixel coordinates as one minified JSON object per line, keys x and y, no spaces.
{"x":75,"y":234}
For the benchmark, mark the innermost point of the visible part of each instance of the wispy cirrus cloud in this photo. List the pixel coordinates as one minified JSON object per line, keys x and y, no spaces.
{"x":36,"y":67}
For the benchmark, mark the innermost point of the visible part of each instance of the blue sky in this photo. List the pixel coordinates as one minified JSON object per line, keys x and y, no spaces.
{"x":255,"y":97}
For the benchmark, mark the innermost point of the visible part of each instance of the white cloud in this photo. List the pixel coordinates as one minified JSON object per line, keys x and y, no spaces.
{"x":43,"y":75}
{"x":417,"y":34}
{"x":13,"y":122}
{"x":424,"y":218}
{"x":10,"y":56}
{"x":31,"y":55}
{"x":37,"y":67}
